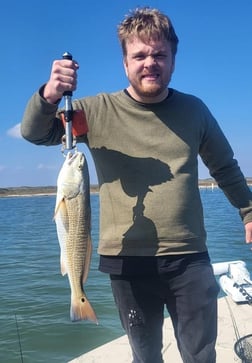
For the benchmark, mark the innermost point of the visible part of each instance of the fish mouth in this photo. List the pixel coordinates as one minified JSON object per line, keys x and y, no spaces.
{"x":72,"y":156}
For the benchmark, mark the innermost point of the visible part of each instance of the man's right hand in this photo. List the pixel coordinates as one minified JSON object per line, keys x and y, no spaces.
{"x":63,"y":78}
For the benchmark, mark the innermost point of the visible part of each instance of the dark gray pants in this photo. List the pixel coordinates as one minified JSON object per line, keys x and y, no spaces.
{"x":190,"y":297}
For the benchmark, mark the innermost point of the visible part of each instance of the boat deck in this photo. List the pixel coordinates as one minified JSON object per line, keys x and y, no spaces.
{"x":234,"y":321}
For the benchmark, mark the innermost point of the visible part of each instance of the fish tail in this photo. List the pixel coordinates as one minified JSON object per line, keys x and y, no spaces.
{"x":81,"y":309}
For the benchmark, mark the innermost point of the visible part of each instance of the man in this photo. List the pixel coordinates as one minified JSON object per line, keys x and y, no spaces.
{"x":145,"y":141}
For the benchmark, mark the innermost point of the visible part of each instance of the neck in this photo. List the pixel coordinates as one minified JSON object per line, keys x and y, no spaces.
{"x":145,"y":99}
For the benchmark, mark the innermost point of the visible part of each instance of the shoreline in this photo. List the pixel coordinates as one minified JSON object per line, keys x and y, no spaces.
{"x":26,"y":191}
{"x":34,"y":191}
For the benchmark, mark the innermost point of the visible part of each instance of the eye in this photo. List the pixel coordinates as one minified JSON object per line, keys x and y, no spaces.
{"x":139,"y":57}
{"x":159,"y":56}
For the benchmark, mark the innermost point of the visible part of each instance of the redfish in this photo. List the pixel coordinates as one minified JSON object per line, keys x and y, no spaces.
{"x":73,"y":222}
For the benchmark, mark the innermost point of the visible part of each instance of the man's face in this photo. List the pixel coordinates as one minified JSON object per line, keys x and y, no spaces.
{"x":149,"y":67}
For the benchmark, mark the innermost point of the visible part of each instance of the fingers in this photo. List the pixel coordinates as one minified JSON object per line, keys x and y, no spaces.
{"x":64,"y":75}
{"x":248,"y":232}
{"x":248,"y":238}
{"x":63,"y":78}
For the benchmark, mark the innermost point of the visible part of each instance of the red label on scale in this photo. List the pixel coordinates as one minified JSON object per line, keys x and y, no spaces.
{"x":79,"y":123}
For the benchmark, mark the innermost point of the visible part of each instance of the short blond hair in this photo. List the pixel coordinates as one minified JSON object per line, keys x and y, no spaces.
{"x":146,"y":24}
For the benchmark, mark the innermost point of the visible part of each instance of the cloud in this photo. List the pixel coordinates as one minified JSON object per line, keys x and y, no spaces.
{"x":15,"y":132}
{"x":46,"y":167}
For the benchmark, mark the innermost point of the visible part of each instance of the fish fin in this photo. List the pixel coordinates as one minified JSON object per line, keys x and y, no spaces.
{"x":63,"y":267}
{"x":87,"y":259}
{"x":62,"y":226}
{"x":81,"y":309}
{"x":60,"y":203}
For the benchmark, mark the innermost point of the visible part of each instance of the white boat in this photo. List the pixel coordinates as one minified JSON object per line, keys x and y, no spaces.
{"x":234,"y":342}
{"x":235,"y":281}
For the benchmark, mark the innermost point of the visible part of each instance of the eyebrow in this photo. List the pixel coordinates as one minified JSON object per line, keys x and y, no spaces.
{"x":153,"y":53}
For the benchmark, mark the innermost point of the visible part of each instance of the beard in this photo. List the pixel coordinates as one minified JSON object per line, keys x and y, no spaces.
{"x":148,"y":89}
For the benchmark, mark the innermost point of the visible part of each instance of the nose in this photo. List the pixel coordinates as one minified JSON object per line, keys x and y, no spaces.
{"x":150,"y":61}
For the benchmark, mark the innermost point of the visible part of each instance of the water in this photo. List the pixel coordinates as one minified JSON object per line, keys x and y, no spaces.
{"x":37,"y":297}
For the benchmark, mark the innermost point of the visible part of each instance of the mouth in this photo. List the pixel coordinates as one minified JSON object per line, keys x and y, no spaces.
{"x":151,"y":76}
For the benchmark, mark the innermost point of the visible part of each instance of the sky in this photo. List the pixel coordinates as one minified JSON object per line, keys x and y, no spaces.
{"x":214,"y":62}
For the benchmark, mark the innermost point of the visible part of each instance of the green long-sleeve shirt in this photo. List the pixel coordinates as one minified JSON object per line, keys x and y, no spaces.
{"x":147,"y":167}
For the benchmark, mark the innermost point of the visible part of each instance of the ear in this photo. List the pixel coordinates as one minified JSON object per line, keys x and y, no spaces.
{"x":125,"y":65}
{"x":173,"y":65}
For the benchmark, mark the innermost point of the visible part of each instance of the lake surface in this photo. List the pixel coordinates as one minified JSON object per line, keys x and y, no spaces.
{"x":35,"y":298}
